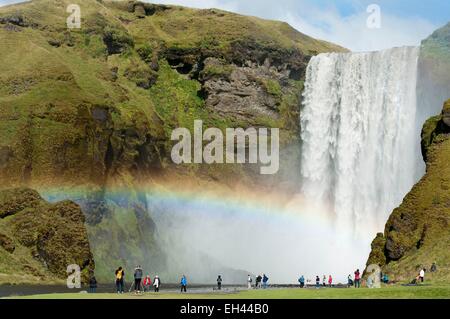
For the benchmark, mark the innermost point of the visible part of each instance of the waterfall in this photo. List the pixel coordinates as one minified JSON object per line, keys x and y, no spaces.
{"x":360,"y":142}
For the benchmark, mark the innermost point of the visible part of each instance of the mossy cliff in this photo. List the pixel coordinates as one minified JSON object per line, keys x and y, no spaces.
{"x":89,"y":111}
{"x":38,"y":240}
{"x":417,"y":233}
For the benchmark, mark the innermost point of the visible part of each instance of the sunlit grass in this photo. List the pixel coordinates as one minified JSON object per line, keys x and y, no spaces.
{"x":394,"y":292}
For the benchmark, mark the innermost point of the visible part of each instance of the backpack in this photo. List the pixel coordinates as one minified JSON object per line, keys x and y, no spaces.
{"x":119,"y":275}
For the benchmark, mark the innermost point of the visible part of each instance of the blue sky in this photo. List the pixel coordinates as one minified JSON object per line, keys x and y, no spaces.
{"x":403,"y":22}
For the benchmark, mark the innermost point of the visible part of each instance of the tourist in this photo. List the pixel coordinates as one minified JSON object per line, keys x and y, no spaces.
{"x":249,"y":282}
{"x":219,"y":282}
{"x":120,"y":277}
{"x":422,"y":275}
{"x":385,"y":279}
{"x":301,"y":280}
{"x":137,"y":279}
{"x":92,"y":284}
{"x":433,"y":267}
{"x":156,"y":283}
{"x":369,"y":282}
{"x":183,"y":283}
{"x":147,"y":283}
{"x":349,"y":281}
{"x":330,"y":281}
{"x":258,"y":282}
{"x":357,"y":279}
{"x":265,"y":280}
{"x":324,"y":281}
{"x":317,"y":282}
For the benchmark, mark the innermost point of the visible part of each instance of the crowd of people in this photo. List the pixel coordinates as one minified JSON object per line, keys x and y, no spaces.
{"x":261,"y":281}
{"x":142,"y":284}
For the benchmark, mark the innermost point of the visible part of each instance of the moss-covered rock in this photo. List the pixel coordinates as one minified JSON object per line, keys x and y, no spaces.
{"x":7,"y":243}
{"x":418,"y":231}
{"x":377,"y":254}
{"x":42,"y":239}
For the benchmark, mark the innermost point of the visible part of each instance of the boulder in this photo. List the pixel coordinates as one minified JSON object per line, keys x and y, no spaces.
{"x":55,"y":234}
{"x":7,"y":243}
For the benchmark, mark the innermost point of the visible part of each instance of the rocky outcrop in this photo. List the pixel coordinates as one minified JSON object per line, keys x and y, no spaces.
{"x":42,"y":239}
{"x":7,"y":243}
{"x":243,"y":93}
{"x":417,"y":233}
{"x":446,"y":114}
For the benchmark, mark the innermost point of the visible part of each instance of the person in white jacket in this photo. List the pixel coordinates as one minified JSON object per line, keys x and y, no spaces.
{"x":156,"y":283}
{"x":249,"y":282}
{"x":422,"y":275}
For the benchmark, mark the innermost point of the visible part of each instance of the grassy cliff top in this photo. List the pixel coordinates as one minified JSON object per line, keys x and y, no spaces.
{"x":175,"y":25}
{"x":438,"y":43}
{"x":186,"y":27}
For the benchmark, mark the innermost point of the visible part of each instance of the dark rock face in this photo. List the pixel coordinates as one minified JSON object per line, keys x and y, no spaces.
{"x":145,"y":9}
{"x":281,"y":59}
{"x":55,"y":233}
{"x":117,"y":40}
{"x":17,"y":20}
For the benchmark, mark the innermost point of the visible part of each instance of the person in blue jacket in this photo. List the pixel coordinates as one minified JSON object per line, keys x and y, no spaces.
{"x":301,"y":280}
{"x":183,"y":283}
{"x":265,"y":280}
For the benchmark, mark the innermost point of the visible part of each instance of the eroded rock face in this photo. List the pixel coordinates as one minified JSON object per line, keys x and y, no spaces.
{"x":55,"y":234}
{"x":242,"y":92}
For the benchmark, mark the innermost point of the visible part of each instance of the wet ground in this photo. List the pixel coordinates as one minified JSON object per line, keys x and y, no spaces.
{"x":24,"y":290}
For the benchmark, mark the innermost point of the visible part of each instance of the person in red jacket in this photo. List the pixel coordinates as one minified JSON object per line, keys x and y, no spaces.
{"x":330,"y":281}
{"x":147,"y":283}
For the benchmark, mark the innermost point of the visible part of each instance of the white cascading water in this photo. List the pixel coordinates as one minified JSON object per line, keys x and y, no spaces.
{"x":361,"y":147}
{"x":360,"y":156}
